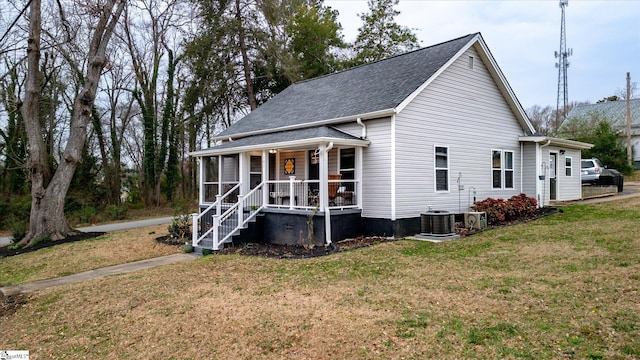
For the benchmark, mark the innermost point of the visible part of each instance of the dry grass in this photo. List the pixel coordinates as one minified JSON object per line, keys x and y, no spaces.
{"x":566,"y":286}
{"x":70,"y":258}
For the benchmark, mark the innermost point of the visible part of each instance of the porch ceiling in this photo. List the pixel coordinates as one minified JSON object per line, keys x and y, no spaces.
{"x":308,"y":137}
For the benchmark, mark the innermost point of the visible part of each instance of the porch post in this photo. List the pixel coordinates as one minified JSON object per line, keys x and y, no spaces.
{"x":323,"y":177}
{"x":243,"y":172}
{"x":219,"y":192}
{"x":265,"y":177}
{"x":201,"y":181}
{"x":324,"y":190}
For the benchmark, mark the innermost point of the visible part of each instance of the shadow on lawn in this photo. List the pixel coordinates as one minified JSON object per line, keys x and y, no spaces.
{"x":11,"y":251}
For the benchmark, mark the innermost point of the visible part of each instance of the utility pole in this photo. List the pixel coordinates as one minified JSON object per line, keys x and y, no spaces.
{"x":629,"y":151}
{"x":562,"y":65}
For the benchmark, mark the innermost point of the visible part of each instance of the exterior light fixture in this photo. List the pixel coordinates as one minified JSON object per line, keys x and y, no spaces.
{"x":272,"y":151}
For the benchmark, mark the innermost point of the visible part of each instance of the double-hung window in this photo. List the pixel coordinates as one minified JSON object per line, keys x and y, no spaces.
{"x":568,"y":168}
{"x":441,"y":161}
{"x":348,"y":168}
{"x":502,"y":169}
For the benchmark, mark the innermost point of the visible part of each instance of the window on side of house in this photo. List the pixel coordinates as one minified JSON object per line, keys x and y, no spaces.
{"x":508,"y":169}
{"x":348,"y":168}
{"x":568,"y":166}
{"x":255,"y":171}
{"x":502,"y":169}
{"x":496,"y":169}
{"x":441,"y":161}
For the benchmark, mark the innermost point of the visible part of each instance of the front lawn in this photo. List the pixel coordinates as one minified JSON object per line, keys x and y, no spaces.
{"x":566,"y":286}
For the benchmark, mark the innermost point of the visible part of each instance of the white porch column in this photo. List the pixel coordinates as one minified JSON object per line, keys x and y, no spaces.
{"x":265,"y":177}
{"x":243,"y":174}
{"x":323,"y":177}
{"x":201,"y":176}
{"x":220,"y":189}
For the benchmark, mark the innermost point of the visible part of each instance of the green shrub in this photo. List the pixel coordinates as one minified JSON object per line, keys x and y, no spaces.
{"x":206,"y":252}
{"x":116,"y":212}
{"x":187,"y":248}
{"x":180,"y":227}
{"x":18,"y":228}
{"x":40,"y":239}
{"x":87,"y":214}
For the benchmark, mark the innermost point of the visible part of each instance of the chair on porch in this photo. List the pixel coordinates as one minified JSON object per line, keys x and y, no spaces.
{"x":333,"y":187}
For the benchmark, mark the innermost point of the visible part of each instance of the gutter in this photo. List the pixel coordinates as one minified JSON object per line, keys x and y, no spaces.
{"x":371,"y":115}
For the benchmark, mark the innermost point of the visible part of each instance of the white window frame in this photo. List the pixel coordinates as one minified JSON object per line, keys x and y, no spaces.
{"x":493,"y":169}
{"x":436,"y":169}
{"x":568,"y":168}
{"x":508,"y":170}
{"x":503,"y":169}
{"x":253,"y":173}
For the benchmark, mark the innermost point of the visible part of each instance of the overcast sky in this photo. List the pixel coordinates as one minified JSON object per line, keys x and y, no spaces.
{"x":523,"y":36}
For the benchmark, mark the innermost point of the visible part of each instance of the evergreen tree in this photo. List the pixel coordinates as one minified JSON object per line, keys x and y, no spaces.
{"x":380,"y":36}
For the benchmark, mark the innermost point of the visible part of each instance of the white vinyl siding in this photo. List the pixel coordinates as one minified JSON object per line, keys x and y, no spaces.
{"x":376,"y":167}
{"x":464,"y":109}
{"x":529,"y":170}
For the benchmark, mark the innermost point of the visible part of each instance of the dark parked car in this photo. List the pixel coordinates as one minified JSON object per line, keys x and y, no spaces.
{"x":611,"y":177}
{"x":590,"y":170}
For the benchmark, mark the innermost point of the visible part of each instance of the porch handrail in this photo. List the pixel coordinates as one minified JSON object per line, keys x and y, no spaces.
{"x":255,"y":204}
{"x":195,"y":239}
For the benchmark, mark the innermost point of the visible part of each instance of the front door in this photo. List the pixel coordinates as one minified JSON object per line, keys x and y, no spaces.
{"x":553,"y":179}
{"x":314,"y":170}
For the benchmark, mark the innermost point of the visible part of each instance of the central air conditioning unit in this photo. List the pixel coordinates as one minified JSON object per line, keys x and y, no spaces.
{"x":437,"y":222}
{"x":475,"y":220}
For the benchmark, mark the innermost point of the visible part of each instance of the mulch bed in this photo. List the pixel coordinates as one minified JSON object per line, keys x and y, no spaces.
{"x":300,"y":252}
{"x":9,"y":251}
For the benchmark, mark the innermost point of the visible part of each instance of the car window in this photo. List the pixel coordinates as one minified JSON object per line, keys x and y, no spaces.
{"x":598,"y":163}
{"x":586,"y":164}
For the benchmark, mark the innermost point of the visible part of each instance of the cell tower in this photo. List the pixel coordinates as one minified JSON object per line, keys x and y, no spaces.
{"x":562,"y":65}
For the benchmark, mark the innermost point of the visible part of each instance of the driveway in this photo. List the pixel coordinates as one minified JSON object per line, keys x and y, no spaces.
{"x":4,"y":241}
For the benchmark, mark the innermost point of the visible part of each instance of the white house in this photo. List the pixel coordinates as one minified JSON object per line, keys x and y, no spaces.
{"x":615,"y":112}
{"x":365,"y":151}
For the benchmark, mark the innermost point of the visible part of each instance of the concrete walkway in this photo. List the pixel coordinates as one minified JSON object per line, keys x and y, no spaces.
{"x":4,"y":241}
{"x":99,"y":273}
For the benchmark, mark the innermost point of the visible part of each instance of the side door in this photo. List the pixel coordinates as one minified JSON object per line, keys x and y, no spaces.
{"x":553,"y":176}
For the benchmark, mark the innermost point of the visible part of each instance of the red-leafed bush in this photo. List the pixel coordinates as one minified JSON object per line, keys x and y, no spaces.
{"x":501,"y":211}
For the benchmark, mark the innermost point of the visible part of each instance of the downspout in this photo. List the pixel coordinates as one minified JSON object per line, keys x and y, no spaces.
{"x":364,"y":128}
{"x":327,"y":212}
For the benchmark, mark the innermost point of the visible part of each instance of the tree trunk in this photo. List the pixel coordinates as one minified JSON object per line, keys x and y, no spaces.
{"x":245,"y":59}
{"x":47,"y":200}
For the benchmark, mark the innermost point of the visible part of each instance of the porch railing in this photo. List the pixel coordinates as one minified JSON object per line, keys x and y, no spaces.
{"x":220,"y":226}
{"x":304,"y":194}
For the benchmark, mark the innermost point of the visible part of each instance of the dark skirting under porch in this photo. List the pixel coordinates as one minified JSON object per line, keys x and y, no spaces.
{"x":293,"y":227}
{"x":387,"y":227}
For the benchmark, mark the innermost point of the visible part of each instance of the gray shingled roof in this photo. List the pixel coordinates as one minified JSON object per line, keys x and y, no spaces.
{"x":377,"y":86}
{"x":614,"y":111}
{"x":282,"y":137}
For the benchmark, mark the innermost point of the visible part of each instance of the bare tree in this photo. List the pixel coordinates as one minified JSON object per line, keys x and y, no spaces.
{"x":47,"y":217}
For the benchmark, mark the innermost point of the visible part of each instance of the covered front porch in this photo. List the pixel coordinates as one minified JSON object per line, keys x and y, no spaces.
{"x":297,"y":184}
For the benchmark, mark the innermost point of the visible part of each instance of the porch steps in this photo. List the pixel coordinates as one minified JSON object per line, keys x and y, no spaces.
{"x":252,"y":233}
